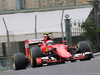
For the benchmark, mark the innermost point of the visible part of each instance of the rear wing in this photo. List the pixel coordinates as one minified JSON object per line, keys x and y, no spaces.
{"x":34,"y":41}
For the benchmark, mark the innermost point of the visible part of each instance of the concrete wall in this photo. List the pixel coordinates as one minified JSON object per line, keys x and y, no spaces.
{"x":7,"y":4}
{"x":81,"y":2}
{"x":15,"y":47}
{"x":31,"y":4}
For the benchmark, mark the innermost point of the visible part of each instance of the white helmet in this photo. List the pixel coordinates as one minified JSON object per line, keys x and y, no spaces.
{"x":49,"y":42}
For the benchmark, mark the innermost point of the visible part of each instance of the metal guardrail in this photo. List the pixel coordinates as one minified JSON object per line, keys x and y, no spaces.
{"x":96,"y":54}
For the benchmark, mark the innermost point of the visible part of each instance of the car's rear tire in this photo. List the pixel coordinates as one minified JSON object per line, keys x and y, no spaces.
{"x":18,"y":61}
{"x":84,"y":47}
{"x":35,"y":53}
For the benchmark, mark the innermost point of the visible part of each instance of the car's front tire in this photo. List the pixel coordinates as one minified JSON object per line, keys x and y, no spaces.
{"x":18,"y":61}
{"x":35,"y":53}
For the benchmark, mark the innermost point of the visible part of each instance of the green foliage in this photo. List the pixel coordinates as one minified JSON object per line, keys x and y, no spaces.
{"x":90,"y":33}
{"x":97,"y":48}
{"x":98,"y":31}
{"x":90,"y":30}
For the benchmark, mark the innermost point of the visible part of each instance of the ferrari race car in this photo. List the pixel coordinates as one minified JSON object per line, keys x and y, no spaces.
{"x":46,"y":52}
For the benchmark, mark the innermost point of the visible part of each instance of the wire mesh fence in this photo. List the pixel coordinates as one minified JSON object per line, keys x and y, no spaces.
{"x":5,"y":59}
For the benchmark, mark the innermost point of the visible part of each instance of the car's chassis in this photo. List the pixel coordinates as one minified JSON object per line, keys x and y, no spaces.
{"x":49,"y":59}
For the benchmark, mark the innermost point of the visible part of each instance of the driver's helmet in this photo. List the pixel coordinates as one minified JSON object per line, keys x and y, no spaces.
{"x":49,"y":42}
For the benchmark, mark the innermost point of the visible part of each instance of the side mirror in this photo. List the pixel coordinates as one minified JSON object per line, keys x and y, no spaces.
{"x":64,"y":42}
{"x":40,"y":45}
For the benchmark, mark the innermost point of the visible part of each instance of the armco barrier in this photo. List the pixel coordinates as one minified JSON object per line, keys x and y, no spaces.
{"x":96,"y":54}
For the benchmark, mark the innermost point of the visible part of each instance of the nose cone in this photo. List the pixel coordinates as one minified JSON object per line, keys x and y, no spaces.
{"x":64,"y":54}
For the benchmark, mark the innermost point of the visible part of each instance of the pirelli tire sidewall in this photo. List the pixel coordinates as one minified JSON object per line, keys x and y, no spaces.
{"x":35,"y":53}
{"x":19,"y":61}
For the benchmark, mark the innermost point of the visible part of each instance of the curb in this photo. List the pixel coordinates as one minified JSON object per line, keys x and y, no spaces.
{"x":96,"y":54}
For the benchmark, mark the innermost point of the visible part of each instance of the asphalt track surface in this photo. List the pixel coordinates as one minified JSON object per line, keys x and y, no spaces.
{"x":91,"y":67}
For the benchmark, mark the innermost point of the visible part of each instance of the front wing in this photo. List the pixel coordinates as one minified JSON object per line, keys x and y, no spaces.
{"x":51,"y":60}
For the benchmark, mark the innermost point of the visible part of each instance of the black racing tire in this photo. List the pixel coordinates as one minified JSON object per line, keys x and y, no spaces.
{"x":83,"y":46}
{"x":35,"y":53}
{"x":73,"y":60}
{"x":18,"y":61}
{"x":63,"y":62}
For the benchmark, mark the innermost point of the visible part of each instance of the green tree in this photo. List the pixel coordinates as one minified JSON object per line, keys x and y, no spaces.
{"x":90,"y":30}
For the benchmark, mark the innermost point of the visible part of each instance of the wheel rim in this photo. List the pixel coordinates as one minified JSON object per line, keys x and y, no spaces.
{"x":13,"y":63}
{"x":77,"y":45}
{"x":31,"y":59}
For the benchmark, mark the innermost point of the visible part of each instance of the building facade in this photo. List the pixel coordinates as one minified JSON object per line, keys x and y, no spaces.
{"x":27,"y":4}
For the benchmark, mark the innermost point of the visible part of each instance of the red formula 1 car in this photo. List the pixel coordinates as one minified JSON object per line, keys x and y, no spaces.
{"x":46,"y":52}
